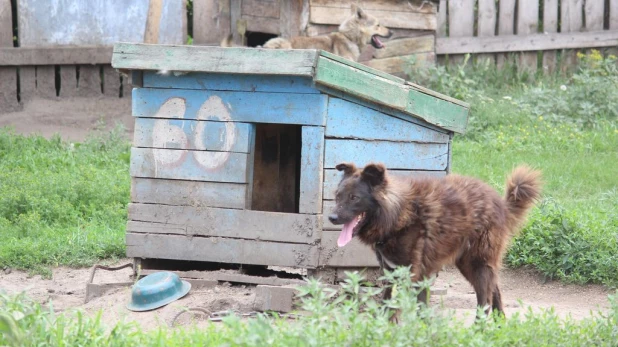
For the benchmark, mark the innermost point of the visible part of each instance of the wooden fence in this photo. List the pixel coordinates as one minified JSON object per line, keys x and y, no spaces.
{"x":537,"y":33}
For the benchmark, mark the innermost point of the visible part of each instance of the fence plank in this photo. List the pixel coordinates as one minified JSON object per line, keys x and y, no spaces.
{"x":461,"y":22}
{"x":221,"y":250}
{"x":68,"y":81}
{"x":188,"y":193}
{"x":487,"y":24}
{"x":527,"y":23}
{"x":189,"y":165}
{"x":27,"y":83}
{"x":211,"y":21}
{"x":506,"y":26}
{"x":8,"y":75}
{"x":19,"y":56}
{"x":515,"y":43}
{"x":550,"y":25}
{"x":571,"y":20}
{"x":396,"y":155}
{"x":46,"y":81}
{"x":89,"y":82}
{"x":613,"y":14}
{"x":593,"y":12}
{"x":311,"y":170}
{"x":111,"y":81}
{"x":232,"y":223}
{"x":442,"y":20}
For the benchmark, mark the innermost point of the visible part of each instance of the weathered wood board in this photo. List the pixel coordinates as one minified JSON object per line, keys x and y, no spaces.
{"x":506,"y":26}
{"x":242,"y":83}
{"x":376,"y":89}
{"x":487,"y":17}
{"x":332,"y":177}
{"x":279,"y":108}
{"x":527,"y":23}
{"x":8,"y":75}
{"x":298,"y":62}
{"x":19,"y":56}
{"x":94,"y":22}
{"x":354,"y":254}
{"x":550,"y":25}
{"x":346,"y":119}
{"x":211,"y":21}
{"x":221,"y":250}
{"x":46,"y":81}
{"x":402,"y":65}
{"x":192,"y":134}
{"x":406,"y":46}
{"x":311,"y":170}
{"x":221,"y":222}
{"x":188,"y":193}
{"x":189,"y":165}
{"x":395,"y":155}
{"x":461,"y":22}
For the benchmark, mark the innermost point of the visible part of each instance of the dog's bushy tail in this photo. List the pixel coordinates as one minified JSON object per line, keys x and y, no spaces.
{"x":523,"y":189}
{"x":278,"y":43}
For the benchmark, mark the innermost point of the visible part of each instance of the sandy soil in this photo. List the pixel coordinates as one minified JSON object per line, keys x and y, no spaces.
{"x":67,"y":289}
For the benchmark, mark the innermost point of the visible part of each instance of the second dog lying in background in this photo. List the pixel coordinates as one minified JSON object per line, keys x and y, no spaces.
{"x":359,"y":30}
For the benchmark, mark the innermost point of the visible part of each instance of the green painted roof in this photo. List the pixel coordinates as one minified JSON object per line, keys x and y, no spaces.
{"x":327,"y":70}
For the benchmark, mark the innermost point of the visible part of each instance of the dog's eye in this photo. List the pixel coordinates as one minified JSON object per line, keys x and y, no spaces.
{"x":353,"y":197}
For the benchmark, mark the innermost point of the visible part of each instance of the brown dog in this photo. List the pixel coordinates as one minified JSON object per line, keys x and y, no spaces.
{"x":427,"y":223}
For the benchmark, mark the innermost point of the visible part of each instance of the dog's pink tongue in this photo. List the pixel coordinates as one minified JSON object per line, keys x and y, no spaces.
{"x":346,"y":233}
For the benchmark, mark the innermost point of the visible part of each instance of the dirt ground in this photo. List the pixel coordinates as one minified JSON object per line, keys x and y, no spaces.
{"x":67,"y":290}
{"x":75,"y":118}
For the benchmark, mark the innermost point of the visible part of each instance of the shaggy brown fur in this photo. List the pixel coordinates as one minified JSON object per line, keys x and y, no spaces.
{"x":427,"y":223}
{"x":359,"y":30}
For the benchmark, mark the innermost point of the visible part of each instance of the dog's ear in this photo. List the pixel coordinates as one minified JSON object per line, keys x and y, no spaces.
{"x":347,"y":168}
{"x":374,"y":174}
{"x":357,"y":11}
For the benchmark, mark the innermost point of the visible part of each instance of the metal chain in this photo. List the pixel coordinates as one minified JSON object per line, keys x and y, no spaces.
{"x":220,"y":315}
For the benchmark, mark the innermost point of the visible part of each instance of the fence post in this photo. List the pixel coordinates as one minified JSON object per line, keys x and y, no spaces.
{"x":8,"y":75}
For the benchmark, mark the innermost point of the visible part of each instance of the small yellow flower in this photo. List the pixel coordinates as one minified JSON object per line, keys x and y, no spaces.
{"x":540,"y":118}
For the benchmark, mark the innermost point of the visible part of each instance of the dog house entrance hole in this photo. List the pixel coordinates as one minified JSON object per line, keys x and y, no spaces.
{"x":255,"y":38}
{"x":276,"y":168}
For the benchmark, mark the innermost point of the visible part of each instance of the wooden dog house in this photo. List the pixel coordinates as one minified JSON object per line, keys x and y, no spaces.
{"x":252,"y":22}
{"x":233,"y":158}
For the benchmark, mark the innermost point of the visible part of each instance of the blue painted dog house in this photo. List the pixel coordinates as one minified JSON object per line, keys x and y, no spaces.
{"x":234,"y":152}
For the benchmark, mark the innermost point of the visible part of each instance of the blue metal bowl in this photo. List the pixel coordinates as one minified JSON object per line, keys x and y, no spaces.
{"x":156,"y":290}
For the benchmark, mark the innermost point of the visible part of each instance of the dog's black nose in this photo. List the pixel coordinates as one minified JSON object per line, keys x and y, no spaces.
{"x":333,"y":218}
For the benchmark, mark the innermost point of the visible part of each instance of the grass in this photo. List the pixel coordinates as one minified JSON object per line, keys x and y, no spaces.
{"x":349,"y":317}
{"x":62,"y":203}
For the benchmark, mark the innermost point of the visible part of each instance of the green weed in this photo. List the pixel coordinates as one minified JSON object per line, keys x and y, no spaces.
{"x":62,"y":203}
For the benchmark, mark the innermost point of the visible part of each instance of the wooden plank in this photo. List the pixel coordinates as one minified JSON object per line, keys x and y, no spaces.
{"x":571,"y":21}
{"x":20,"y":56}
{"x":244,"y":83}
{"x":221,"y":250}
{"x":262,"y":24}
{"x":279,"y":108}
{"x":406,"y":46}
{"x":354,"y":254}
{"x":211,"y":21}
{"x":94,"y":22}
{"x":550,"y":25}
{"x":396,"y":155}
{"x":487,"y":17}
{"x":223,"y":276}
{"x":442,"y":20}
{"x":192,"y":134}
{"x":384,"y":5}
{"x":593,"y":11}
{"x":260,"y":8}
{"x":89,"y":80}
{"x":111,"y":81}
{"x":390,"y":19}
{"x":290,"y":14}
{"x":506,"y":26}
{"x":349,"y":120}
{"x":8,"y":75}
{"x":515,"y":43}
{"x":437,"y":95}
{"x":189,"y":165}
{"x":229,"y":223}
{"x":27,"y":83}
{"x":296,"y":62}
{"x":46,"y":82}
{"x":332,"y":177}
{"x":153,"y":21}
{"x":235,"y":22}
{"x":188,"y":193}
{"x":402,"y":65}
{"x":68,"y":81}
{"x":461,"y":22}
{"x":361,"y":67}
{"x":527,"y":23}
{"x":311,"y":170}
{"x":401,"y":97}
{"x":250,"y":166}
{"x":613,"y":14}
